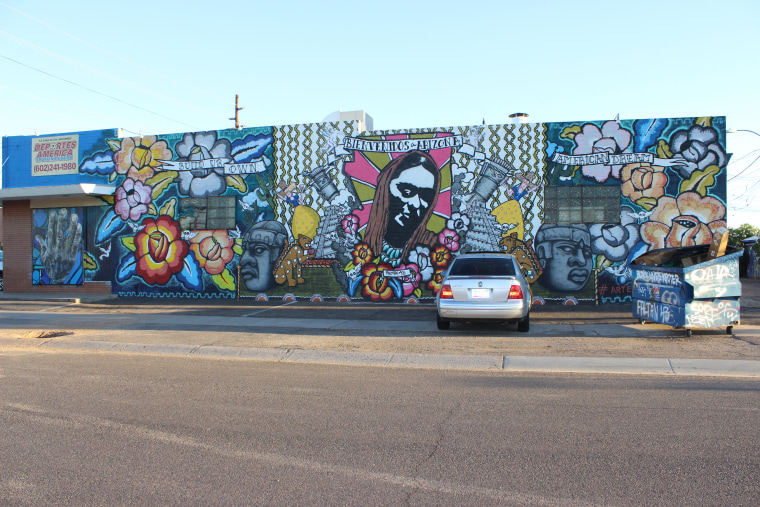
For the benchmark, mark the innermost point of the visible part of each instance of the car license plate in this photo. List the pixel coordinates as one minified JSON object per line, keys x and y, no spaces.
{"x":480,"y":293}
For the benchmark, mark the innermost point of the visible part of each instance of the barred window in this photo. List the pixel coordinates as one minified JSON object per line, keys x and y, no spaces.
{"x":207,"y":213}
{"x":582,"y":204}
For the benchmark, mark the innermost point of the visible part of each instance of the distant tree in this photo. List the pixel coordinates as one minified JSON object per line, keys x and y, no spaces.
{"x":736,"y":235}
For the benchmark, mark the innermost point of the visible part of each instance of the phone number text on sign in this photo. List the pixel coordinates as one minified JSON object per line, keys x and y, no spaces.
{"x":55,"y":155}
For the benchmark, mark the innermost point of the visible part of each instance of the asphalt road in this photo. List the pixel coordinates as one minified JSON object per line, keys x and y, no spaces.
{"x":120,"y":429}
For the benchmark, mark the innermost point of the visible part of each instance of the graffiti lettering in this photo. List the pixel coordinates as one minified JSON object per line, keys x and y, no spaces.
{"x":669,"y":297}
{"x":719,"y":272}
{"x":399,"y":273}
{"x":659,"y":277}
{"x":714,"y":291}
{"x":257,"y":166}
{"x":649,"y":310}
{"x":603,"y":158}
{"x":631,"y":158}
{"x":708,"y":314}
{"x":645,"y":309}
{"x":254,"y":167}
{"x":403,"y":145}
{"x":594,"y":158}
{"x":614,"y":290}
{"x":193,"y":165}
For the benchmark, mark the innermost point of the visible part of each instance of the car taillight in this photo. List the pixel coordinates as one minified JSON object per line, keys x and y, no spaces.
{"x":446,"y":292}
{"x":515,"y":292}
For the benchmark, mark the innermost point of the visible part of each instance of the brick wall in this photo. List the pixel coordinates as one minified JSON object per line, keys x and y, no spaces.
{"x":17,"y":256}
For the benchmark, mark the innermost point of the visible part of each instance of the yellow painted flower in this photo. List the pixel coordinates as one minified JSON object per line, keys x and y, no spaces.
{"x":139,"y":157}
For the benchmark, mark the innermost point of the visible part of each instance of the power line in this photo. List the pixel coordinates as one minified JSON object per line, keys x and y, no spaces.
{"x":142,"y":129}
{"x":744,"y":170}
{"x":103,"y":74}
{"x":735,"y":160}
{"x":100,"y":93}
{"x":24,"y":120}
{"x":115,"y":56}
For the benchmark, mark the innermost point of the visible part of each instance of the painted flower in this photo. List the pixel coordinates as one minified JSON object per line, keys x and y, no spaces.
{"x":449,"y":239}
{"x":204,"y":181}
{"x":420,"y":256}
{"x":610,"y":139}
{"x":350,"y":224}
{"x":159,"y":250}
{"x":698,"y":147}
{"x":410,"y":282}
{"x":458,"y":222}
{"x":686,"y":221}
{"x":435,"y":283}
{"x":440,"y":256}
{"x":376,"y":285}
{"x":213,"y":250}
{"x":615,"y":241}
{"x":643,"y":184}
{"x":362,"y":254}
{"x":139,"y":157}
{"x":132,"y":199}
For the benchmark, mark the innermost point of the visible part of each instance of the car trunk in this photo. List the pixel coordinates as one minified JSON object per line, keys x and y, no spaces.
{"x":484,"y":290}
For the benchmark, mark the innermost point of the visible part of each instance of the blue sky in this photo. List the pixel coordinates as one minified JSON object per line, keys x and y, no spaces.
{"x":171,"y":66}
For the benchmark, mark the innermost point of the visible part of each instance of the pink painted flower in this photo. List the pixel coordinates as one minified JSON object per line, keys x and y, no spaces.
{"x":610,"y":139}
{"x":132,"y":199}
{"x":350,"y":224}
{"x":410,"y":282}
{"x":449,"y":239}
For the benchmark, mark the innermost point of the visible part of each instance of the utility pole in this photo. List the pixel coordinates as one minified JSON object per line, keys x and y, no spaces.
{"x":237,"y":110}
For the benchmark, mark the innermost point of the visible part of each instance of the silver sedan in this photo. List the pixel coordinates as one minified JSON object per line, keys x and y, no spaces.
{"x":484,"y":287}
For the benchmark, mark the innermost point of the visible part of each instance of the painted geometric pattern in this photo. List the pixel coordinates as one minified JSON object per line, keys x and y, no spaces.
{"x":302,"y":148}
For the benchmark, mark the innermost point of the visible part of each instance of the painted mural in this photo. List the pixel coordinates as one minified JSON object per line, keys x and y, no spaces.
{"x":323,"y":212}
{"x":57,"y":246}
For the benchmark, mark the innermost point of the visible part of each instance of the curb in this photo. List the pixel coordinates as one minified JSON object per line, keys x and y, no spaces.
{"x":507,"y":364}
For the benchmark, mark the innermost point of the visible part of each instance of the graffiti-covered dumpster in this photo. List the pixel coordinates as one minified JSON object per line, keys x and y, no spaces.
{"x":687,"y":288}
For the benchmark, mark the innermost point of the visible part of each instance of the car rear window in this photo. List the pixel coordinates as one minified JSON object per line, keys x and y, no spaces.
{"x":480,"y":266}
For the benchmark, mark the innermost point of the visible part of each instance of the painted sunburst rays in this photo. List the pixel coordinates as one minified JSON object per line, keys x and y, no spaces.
{"x":367,"y":165}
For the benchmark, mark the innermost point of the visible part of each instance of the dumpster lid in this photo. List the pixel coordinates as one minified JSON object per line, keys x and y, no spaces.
{"x":678,"y":257}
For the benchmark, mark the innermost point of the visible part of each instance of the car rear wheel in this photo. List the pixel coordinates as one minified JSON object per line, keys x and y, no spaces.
{"x":443,"y":324}
{"x":524,"y":324}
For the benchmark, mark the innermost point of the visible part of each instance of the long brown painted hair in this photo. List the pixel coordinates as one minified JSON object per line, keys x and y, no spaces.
{"x":378,"y":216}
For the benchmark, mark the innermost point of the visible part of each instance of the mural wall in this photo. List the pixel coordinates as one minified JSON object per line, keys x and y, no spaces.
{"x":57,"y":246}
{"x":323,"y":212}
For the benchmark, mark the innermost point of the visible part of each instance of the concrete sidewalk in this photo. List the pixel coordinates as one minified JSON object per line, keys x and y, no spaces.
{"x":364,"y":336}
{"x":556,"y":364}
